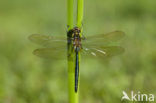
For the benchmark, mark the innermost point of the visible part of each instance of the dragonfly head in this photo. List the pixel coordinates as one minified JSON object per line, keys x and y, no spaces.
{"x":75,"y":32}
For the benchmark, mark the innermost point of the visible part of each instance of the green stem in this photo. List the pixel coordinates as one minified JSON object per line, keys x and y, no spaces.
{"x":70,"y":15}
{"x":79,"y":24}
{"x":73,"y":96}
{"x":79,"y":13}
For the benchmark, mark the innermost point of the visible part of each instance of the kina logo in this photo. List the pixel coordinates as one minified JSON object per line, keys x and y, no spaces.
{"x":137,"y":96}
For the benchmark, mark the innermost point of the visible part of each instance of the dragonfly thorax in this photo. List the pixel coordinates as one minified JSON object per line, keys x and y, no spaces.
{"x":74,"y":38}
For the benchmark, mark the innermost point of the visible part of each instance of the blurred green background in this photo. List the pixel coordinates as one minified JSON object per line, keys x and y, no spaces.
{"x":25,"y":78}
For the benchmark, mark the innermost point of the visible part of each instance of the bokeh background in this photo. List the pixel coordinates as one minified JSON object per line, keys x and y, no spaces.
{"x":25,"y":78}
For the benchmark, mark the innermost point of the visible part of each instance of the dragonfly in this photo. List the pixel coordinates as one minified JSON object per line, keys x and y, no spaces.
{"x":97,"y":46}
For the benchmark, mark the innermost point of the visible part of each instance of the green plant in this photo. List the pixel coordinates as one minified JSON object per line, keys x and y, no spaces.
{"x":73,"y":96}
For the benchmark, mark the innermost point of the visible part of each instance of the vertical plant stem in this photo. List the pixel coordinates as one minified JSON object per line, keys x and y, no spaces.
{"x":73,"y":97}
{"x":70,"y":15}
{"x":79,"y":24}
{"x":79,"y":13}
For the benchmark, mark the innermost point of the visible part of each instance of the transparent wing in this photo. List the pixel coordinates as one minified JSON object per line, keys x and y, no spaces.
{"x":57,"y":53}
{"x":103,"y":39}
{"x":48,"y":41}
{"x":51,"y":53}
{"x":102,"y":51}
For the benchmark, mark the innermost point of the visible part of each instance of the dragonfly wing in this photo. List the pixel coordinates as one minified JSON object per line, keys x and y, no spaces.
{"x":103,"y":39}
{"x":102,"y":51}
{"x":48,"y":41}
{"x":51,"y":53}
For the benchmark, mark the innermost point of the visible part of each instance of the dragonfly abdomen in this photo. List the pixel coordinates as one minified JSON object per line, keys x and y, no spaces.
{"x":76,"y":71}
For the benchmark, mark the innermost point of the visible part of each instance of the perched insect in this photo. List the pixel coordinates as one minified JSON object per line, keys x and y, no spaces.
{"x":95,"y":46}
